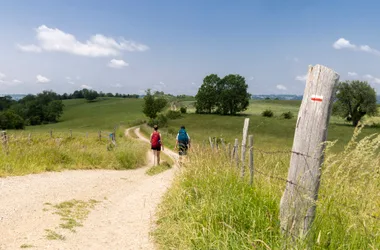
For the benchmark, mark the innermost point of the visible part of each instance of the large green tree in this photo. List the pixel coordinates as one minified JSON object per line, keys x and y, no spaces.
{"x":206,"y":98}
{"x":355,"y":99}
{"x":232,"y":94}
{"x":153,"y":105}
{"x":223,"y":96}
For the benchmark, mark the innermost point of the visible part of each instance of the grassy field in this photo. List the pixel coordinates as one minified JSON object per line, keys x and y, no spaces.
{"x":210,"y":207}
{"x":41,"y":153}
{"x":103,"y":114}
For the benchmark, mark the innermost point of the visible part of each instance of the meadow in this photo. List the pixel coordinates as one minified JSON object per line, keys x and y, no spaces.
{"x":209,"y":206}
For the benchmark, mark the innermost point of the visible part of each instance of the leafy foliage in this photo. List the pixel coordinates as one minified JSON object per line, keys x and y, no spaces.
{"x":287,"y":115}
{"x":10,"y":120}
{"x":171,"y":114}
{"x":355,"y":99}
{"x":226,"y":96}
{"x":90,"y":94}
{"x":153,"y":105}
{"x":183,"y":110}
{"x":267,"y":113}
{"x":207,"y":96}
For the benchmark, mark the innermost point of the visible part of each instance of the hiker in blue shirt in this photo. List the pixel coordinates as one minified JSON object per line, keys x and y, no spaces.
{"x":182,"y":141}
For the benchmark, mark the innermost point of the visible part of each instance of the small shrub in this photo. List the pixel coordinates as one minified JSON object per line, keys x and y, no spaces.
{"x":161,"y":121}
{"x":183,"y":110}
{"x":171,"y":114}
{"x":287,"y":115}
{"x":267,"y":113}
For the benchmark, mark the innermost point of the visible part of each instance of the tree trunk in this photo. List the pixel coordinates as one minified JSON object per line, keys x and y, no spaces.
{"x":298,"y":203}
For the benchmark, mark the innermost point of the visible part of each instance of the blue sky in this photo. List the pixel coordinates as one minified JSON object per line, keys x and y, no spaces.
{"x":129,"y":46}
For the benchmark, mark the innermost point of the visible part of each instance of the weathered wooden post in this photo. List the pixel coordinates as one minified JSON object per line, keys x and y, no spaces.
{"x":229,"y":148}
{"x":236,"y":149}
{"x":250,"y":144}
{"x":212,"y":147}
{"x":100,"y":135}
{"x":298,"y":203}
{"x":29,"y":137}
{"x":51,"y":133}
{"x":243,"y":144}
{"x":216,"y":143}
{"x":4,"y":139}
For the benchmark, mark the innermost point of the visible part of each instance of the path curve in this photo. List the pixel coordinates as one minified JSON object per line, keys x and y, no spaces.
{"x":122,"y":220}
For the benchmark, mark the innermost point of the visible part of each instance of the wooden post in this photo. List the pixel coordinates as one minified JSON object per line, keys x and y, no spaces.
{"x":229,"y":148}
{"x":29,"y":137}
{"x":4,"y":139}
{"x":250,"y":144}
{"x":237,"y":153}
{"x":298,"y":203}
{"x":100,"y":135}
{"x":212,"y":147}
{"x":51,"y":133}
{"x":243,"y":144}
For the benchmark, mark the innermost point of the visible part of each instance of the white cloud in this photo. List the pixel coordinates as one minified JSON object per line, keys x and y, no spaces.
{"x":42,"y":79}
{"x":250,"y":78}
{"x":84,"y":86}
{"x":2,"y":76}
{"x":162,"y":83}
{"x":301,"y":78}
{"x":352,"y":74}
{"x":16,"y":81}
{"x":69,"y":80}
{"x":53,"y":39}
{"x":117,"y":64}
{"x":281,"y":87}
{"x":342,"y":43}
{"x":29,"y":48}
{"x":372,"y":79}
{"x":117,"y":85}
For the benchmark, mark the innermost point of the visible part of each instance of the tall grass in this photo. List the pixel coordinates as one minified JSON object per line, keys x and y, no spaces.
{"x":210,"y":207}
{"x":41,"y":153}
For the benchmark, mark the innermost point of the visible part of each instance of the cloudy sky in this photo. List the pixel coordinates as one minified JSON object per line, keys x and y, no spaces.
{"x":170,"y":45}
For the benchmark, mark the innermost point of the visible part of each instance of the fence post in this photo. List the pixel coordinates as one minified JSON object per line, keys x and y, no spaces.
{"x":29,"y":137}
{"x":216,"y":143}
{"x":212,"y":147}
{"x":100,"y":135}
{"x":236,"y":150}
{"x":243,"y":144}
{"x":51,"y":133}
{"x":298,"y":203}
{"x":4,"y":138}
{"x":250,"y":144}
{"x":229,"y":149}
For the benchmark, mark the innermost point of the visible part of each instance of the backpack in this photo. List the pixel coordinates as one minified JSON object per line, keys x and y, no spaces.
{"x":156,"y":140}
{"x":182,"y":136}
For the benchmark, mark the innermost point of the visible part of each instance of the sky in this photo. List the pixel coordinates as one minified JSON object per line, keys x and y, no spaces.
{"x":171,"y":45}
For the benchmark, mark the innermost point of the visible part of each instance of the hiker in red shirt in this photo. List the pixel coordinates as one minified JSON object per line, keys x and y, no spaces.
{"x":156,"y":143}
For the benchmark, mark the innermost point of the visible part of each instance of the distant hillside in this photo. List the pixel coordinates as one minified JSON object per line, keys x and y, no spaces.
{"x":14,"y":96}
{"x":287,"y":97}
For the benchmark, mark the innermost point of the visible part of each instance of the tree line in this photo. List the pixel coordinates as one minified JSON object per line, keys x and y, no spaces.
{"x":43,"y":108}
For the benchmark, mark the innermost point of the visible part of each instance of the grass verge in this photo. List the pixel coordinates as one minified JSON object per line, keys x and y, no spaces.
{"x":41,"y":153}
{"x":210,"y":207}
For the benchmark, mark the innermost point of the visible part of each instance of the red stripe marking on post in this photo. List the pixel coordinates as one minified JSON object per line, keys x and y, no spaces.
{"x":316,"y":99}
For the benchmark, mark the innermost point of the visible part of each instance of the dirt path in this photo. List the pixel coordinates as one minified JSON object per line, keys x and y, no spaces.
{"x":122,"y":219}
